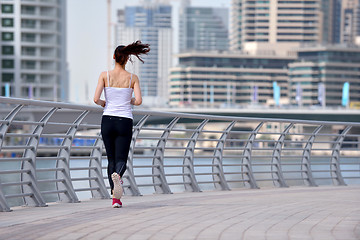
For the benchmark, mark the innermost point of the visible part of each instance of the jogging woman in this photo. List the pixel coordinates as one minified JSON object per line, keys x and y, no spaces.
{"x":117,"y":120}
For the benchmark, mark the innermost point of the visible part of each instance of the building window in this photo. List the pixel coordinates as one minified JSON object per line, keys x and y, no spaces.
{"x":30,"y":10}
{"x":28,"y":51}
{"x":7,"y":50}
{"x":28,"y":23}
{"x":7,"y":63}
{"x":28,"y":64}
{"x":7,"y":77}
{"x":7,"y":36}
{"x":28,"y":78}
{"x":7,"y":8}
{"x":7,"y":22}
{"x":28,"y":37}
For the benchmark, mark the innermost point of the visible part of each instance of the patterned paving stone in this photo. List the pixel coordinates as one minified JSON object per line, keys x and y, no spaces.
{"x":322,"y":213}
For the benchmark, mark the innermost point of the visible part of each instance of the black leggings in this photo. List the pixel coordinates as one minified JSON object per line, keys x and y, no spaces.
{"x":116,"y":134}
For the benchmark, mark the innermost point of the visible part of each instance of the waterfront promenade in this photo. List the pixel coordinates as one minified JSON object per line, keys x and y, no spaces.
{"x":325,"y":212}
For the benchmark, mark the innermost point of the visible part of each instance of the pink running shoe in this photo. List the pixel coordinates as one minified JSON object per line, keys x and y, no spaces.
{"x":116,"y":203}
{"x":118,"y":190}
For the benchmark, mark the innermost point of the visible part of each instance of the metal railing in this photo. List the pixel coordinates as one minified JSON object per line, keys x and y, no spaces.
{"x":53,"y":151}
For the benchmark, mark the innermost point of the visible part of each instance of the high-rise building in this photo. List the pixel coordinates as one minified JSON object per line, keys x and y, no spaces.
{"x":350,"y":21}
{"x":320,"y":73}
{"x":275,"y":26}
{"x":150,"y":23}
{"x":33,"y":49}
{"x":203,"y":28}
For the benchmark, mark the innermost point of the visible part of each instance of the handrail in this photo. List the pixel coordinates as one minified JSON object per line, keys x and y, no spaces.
{"x":52,"y":151}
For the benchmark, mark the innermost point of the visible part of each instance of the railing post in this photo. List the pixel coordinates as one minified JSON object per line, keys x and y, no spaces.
{"x":276,"y":159}
{"x":188,"y":169}
{"x":4,"y":207}
{"x":246,"y":160}
{"x":129,"y":174}
{"x":306,"y":165}
{"x":68,"y":194}
{"x":9,"y":118}
{"x":335,"y":161}
{"x":217,"y":160}
{"x":36,"y":198}
{"x":159,"y":179}
{"x":97,"y":172}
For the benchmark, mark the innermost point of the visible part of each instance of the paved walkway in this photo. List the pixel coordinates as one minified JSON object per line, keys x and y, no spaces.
{"x":289,"y":213}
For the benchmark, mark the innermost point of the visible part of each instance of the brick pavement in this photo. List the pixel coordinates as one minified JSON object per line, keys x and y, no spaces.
{"x":274,"y":214}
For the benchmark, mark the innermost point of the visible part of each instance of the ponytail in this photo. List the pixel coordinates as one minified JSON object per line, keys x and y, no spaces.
{"x":137,"y":48}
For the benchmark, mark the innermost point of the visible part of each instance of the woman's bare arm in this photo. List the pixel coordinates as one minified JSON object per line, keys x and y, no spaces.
{"x":98,"y":91}
{"x":137,"y":100}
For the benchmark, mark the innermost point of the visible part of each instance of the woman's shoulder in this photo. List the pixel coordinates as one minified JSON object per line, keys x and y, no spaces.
{"x":134,"y":76}
{"x":104,"y":74}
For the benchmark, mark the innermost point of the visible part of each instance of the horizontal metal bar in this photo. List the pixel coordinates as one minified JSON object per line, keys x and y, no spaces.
{"x":16,"y":122}
{"x":13,"y":171}
{"x":204,"y":165}
{"x":145,"y":175}
{"x":176,"y":174}
{"x":89,"y":125}
{"x":14,"y":183}
{"x":148,"y":184}
{"x":85,"y":189}
{"x":49,"y":169}
{"x":50,"y":158}
{"x":84,"y":147}
{"x":81,"y":168}
{"x":294,"y":171}
{"x":167,"y":114}
{"x":234,"y":164}
{"x":19,"y":195}
{"x":52,"y":147}
{"x":206,"y":182}
{"x":240,"y":156}
{"x":20,"y":135}
{"x":14,"y":159}
{"x":234,"y":180}
{"x":201,"y":174}
{"x":17,"y":147}
{"x":178,"y":183}
{"x":50,"y":180}
{"x":179,"y":165}
{"x":54,"y":135}
{"x":53,"y":191}
{"x":83,"y":179}
{"x":61,"y":124}
{"x":82,"y":158}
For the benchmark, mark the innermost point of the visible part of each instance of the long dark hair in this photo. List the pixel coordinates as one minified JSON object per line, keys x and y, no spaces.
{"x":137,"y":48}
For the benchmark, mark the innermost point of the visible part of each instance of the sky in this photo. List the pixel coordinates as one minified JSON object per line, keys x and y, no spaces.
{"x":87,"y":41}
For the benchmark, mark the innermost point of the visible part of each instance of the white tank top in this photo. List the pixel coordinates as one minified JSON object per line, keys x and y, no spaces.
{"x":118,"y":100}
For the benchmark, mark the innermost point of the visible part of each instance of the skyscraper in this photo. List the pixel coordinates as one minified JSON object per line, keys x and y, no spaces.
{"x":203,"y":28}
{"x":33,"y":49}
{"x":275,"y":25}
{"x":350,"y":21}
{"x":150,"y":23}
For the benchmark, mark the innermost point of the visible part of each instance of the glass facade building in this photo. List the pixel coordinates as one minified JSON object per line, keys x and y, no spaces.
{"x":329,"y":67}
{"x":214,"y":80}
{"x":33,"y":49}
{"x":203,"y":29}
{"x":150,"y":23}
